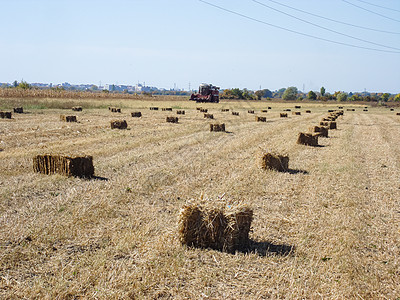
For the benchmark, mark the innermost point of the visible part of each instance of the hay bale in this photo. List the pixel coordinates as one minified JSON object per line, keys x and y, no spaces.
{"x":321,"y":130}
{"x":250,"y":111}
{"x":332,"y":125}
{"x":284,"y":115}
{"x":77,"y":108}
{"x":167,"y":109}
{"x":172,"y":119}
{"x":307,"y":139}
{"x":351,"y":109}
{"x":65,"y":118}
{"x":235,"y":113}
{"x":5,"y":114}
{"x":287,"y":109}
{"x":136,"y":114}
{"x":153,"y":108}
{"x":340,"y":107}
{"x":330,"y":110}
{"x":225,"y":228}
{"x":203,"y":110}
{"x":217,"y":127}
{"x":261,"y":119}
{"x":297,"y":113}
{"x":209,"y":116}
{"x":308,"y":111}
{"x":180,"y":112}
{"x":264,"y":110}
{"x":269,"y":107}
{"x":392,"y":109}
{"x":225,"y":109}
{"x":365,"y":109}
{"x":118,"y":124}
{"x":297,"y":107}
{"x":398,"y":114}
{"x":275,"y":162}
{"x":18,"y":110}
{"x":80,"y":166}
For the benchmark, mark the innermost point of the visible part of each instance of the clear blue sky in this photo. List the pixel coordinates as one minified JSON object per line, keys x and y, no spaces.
{"x":162,"y":42}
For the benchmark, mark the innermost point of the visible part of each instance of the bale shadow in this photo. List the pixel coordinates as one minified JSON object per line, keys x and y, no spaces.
{"x":96,"y":178}
{"x":264,"y":248}
{"x":296,"y":171}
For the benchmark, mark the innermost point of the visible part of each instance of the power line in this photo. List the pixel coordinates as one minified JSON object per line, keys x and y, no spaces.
{"x":293,"y":31}
{"x":384,"y":7}
{"x":372,"y":12}
{"x":332,"y":20}
{"x":325,"y":28}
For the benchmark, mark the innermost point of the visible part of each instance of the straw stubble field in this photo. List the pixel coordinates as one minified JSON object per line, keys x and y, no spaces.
{"x":326,"y":228}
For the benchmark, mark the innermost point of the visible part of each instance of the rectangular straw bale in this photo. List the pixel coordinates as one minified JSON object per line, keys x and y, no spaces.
{"x":5,"y":114}
{"x":321,"y":130}
{"x":398,"y":114}
{"x":269,"y":107}
{"x":209,"y":116}
{"x":172,"y":119}
{"x":80,"y":166}
{"x":308,"y":111}
{"x":203,"y":110}
{"x":68,"y":118}
{"x":217,"y":127}
{"x":261,"y":119}
{"x":18,"y":110}
{"x":264,"y":110}
{"x":180,"y":112}
{"x":275,"y":162}
{"x":250,"y":111}
{"x":392,"y":109}
{"x":283,"y":115}
{"x":297,"y":113}
{"x":332,"y":125}
{"x":297,"y":106}
{"x":77,"y":108}
{"x":308,"y":139}
{"x":223,"y":228}
{"x":118,"y":124}
{"x":153,"y":108}
{"x":235,"y":113}
{"x":225,"y":109}
{"x":136,"y":114}
{"x":167,"y":109}
{"x":199,"y":108}
{"x":287,"y":109}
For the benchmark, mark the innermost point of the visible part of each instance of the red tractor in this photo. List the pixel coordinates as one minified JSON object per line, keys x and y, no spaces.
{"x":207,"y":93}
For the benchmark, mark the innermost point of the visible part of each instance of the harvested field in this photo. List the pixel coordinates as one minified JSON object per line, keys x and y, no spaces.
{"x":327,"y":228}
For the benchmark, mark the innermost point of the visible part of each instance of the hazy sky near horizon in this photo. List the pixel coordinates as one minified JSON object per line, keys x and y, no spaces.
{"x":163,"y":43}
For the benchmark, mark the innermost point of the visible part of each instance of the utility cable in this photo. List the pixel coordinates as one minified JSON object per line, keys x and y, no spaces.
{"x":294,"y":31}
{"x":325,"y":28}
{"x":384,"y":7}
{"x":332,"y":20}
{"x":375,"y":13}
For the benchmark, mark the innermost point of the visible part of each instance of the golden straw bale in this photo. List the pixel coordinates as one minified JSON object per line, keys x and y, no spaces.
{"x":235,"y":113}
{"x":118,"y":124}
{"x":77,"y":108}
{"x":261,"y":119}
{"x":275,"y":162}
{"x":283,"y":115}
{"x":217,"y":127}
{"x":321,"y":130}
{"x":172,"y":119}
{"x":225,"y":109}
{"x":5,"y":114}
{"x":250,"y":111}
{"x":180,"y":112}
{"x":136,"y":114}
{"x":308,"y":139}
{"x":18,"y":110}
{"x":209,"y":116}
{"x":308,"y":111}
{"x":217,"y":226}
{"x":80,"y":166}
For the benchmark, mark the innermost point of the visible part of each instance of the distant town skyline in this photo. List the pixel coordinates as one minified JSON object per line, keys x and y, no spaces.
{"x":232,"y":44}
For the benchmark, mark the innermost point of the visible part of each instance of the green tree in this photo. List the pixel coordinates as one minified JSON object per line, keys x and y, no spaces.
{"x":311,"y":95}
{"x":24,"y":85}
{"x":290,"y":93}
{"x":397,"y":97}
{"x":385,"y":97}
{"x":341,"y":97}
{"x":259,"y":94}
{"x":15,"y":83}
{"x":322,"y":91}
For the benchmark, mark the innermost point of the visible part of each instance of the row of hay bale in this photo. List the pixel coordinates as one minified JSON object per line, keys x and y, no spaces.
{"x":327,"y":123}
